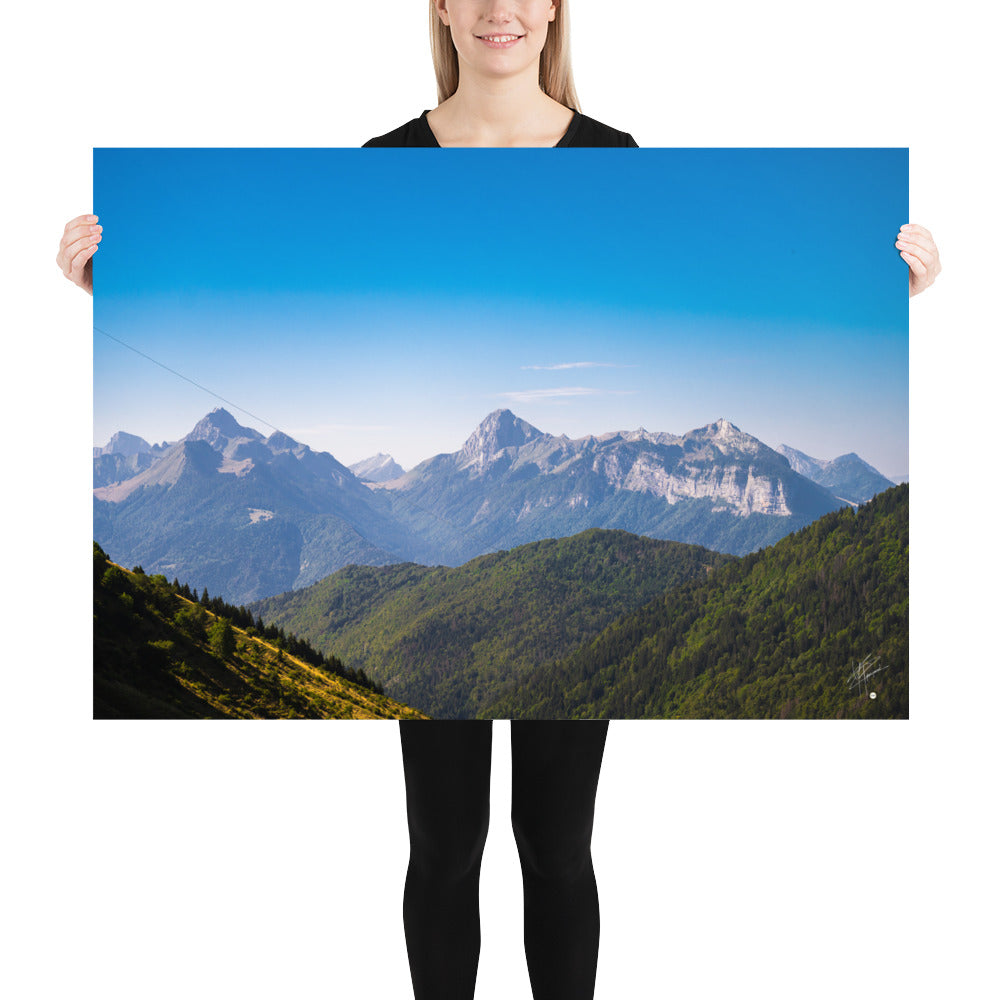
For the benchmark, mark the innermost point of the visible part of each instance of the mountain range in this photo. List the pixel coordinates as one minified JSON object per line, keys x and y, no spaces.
{"x":250,"y":516}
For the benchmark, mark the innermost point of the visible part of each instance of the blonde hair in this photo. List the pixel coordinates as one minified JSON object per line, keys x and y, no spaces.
{"x":555,"y":74}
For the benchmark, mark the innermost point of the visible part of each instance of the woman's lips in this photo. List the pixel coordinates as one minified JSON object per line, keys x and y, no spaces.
{"x":500,"y":41}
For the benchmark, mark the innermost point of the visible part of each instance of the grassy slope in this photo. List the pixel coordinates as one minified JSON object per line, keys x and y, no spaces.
{"x":153,"y":658}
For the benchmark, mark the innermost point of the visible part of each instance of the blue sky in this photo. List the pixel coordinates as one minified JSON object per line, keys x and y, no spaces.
{"x":387,"y":300}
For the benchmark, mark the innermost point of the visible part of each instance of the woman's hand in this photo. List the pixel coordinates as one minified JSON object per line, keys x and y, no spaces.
{"x":916,"y":246}
{"x":76,"y":250}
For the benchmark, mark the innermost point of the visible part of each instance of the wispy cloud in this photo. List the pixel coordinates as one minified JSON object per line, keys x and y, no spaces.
{"x":561,"y":393}
{"x":571,"y":364}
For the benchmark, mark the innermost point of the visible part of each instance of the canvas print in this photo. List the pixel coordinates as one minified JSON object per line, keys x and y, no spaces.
{"x":501,"y":434}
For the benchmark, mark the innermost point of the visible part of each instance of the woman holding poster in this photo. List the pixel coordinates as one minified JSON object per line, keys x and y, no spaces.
{"x":504,"y":80}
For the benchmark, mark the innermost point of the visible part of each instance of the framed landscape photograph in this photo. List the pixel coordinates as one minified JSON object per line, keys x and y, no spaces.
{"x":503,"y":434}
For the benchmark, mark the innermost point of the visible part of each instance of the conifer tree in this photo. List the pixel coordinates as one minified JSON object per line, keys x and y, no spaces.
{"x":221,"y":638}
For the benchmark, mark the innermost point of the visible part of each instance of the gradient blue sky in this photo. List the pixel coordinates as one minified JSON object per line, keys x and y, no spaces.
{"x":387,"y":300}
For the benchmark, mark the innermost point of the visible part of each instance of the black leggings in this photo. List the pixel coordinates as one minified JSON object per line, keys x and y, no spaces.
{"x":555,"y":768}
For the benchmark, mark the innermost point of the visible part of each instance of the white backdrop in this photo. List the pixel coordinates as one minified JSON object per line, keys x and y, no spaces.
{"x":259,"y":860}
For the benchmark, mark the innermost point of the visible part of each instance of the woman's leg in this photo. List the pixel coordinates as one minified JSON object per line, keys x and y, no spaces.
{"x":555,"y":770}
{"x":447,"y":769}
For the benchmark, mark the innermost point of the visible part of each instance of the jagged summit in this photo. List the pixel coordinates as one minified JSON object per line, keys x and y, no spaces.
{"x":220,"y":427}
{"x":501,"y":429}
{"x":380,"y":468}
{"x":723,"y":428}
{"x":122,"y":443}
{"x":848,"y":475}
{"x":726,"y":437}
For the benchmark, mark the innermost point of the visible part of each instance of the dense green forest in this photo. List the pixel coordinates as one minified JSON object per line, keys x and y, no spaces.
{"x":448,"y":640}
{"x":779,"y":633}
{"x":161,"y":651}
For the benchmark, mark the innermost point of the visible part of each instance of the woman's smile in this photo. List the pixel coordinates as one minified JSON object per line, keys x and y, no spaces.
{"x":499,"y":41}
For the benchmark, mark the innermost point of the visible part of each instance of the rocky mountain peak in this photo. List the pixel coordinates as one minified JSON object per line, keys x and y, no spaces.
{"x":723,"y":428}
{"x":500,"y":430}
{"x":124,"y":444}
{"x":380,"y":468}
{"x":220,"y":427}
{"x":725,"y":436}
{"x":848,"y":475}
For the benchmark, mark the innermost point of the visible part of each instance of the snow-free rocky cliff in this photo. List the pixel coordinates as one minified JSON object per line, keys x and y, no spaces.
{"x":738,"y":473}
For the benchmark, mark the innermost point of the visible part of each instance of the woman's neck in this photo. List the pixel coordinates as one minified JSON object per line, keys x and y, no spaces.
{"x":494,"y":112}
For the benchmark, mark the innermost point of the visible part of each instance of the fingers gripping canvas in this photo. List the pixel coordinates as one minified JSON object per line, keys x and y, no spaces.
{"x":500,"y":434}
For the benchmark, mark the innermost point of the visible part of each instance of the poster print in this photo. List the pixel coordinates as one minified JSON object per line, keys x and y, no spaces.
{"x":380,"y":434}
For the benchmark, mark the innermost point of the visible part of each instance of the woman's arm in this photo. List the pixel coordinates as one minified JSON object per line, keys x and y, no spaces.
{"x":916,"y":246}
{"x":77,"y":248}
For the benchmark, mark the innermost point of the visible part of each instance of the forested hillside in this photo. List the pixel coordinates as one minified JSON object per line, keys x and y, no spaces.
{"x":447,"y":640}
{"x":776,"y":634}
{"x":160,"y":652}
